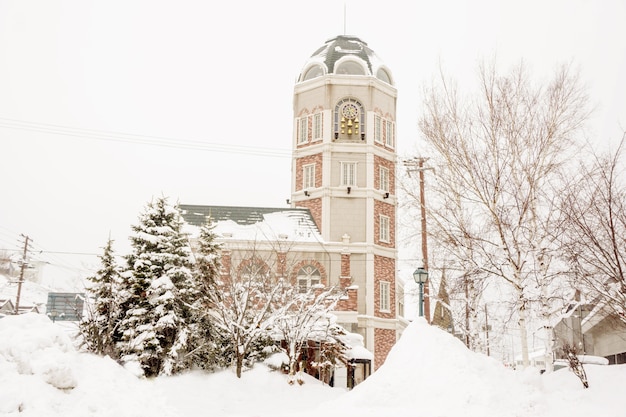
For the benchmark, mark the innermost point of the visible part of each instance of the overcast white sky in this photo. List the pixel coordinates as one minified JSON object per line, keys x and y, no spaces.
{"x":88,"y":87}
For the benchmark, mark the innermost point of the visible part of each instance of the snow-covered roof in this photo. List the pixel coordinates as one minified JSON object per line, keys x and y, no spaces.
{"x":255,"y":223}
{"x":324,"y":59}
{"x":357,"y":348}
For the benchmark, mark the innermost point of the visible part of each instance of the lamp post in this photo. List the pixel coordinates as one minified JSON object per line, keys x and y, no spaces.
{"x":417,"y":164}
{"x":421,"y":277}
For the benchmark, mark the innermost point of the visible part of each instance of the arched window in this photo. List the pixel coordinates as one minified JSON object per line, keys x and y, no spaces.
{"x":349,"y":119}
{"x":349,"y":67}
{"x":308,"y":276}
{"x":384,"y":76}
{"x":313,"y":72}
{"x":254,"y":269}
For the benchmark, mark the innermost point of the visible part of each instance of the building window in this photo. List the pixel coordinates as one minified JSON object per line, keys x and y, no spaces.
{"x":378,"y":129}
{"x":303,"y":130}
{"x":385,"y":296}
{"x":384,"y":179}
{"x":390,"y":137}
{"x":314,"y":72}
{"x":308,"y":176}
{"x":348,"y":173}
{"x":383,"y":75}
{"x":317,"y":126}
{"x":308,"y":277}
{"x":350,"y":68}
{"x":384,"y":229}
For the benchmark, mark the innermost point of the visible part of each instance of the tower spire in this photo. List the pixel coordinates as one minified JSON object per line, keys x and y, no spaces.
{"x":344,"y":18}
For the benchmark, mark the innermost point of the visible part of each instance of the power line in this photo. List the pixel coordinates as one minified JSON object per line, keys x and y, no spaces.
{"x":121,"y":137}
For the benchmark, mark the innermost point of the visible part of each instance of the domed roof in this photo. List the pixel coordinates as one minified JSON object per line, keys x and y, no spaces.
{"x":346,"y":55}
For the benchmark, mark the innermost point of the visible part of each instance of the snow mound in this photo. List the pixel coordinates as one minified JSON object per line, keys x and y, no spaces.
{"x":41,"y":374}
{"x":429,"y":372}
{"x":42,"y":353}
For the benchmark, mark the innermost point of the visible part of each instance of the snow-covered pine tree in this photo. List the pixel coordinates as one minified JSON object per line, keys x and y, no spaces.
{"x":99,"y":328}
{"x":208,"y":261}
{"x":158,"y":292}
{"x":207,"y":344}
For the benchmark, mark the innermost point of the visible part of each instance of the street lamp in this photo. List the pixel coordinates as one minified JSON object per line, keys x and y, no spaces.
{"x":421,"y":277}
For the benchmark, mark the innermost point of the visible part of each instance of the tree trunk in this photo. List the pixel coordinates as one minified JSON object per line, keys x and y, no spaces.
{"x":239,"y":364}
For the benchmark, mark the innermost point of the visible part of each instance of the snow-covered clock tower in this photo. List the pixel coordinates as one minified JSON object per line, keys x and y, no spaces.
{"x":343,"y":171}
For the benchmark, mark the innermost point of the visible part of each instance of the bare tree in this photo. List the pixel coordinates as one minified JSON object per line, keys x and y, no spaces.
{"x":243,"y":304}
{"x":497,"y":160}
{"x":305,"y":316}
{"x":594,"y":230}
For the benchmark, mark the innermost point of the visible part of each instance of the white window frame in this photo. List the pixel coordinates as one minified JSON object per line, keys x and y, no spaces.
{"x":303,"y":129}
{"x":308,"y":176}
{"x":378,"y":129}
{"x":348,"y":174}
{"x":308,"y":276}
{"x":384,"y":228}
{"x":390,"y":138}
{"x":317,"y":126}
{"x":384,"y":179}
{"x":385,"y":296}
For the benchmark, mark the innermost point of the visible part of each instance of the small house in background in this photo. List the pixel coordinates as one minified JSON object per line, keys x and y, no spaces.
{"x":6,"y":307}
{"x":593,"y":329}
{"x":22,"y":309}
{"x":65,"y":306}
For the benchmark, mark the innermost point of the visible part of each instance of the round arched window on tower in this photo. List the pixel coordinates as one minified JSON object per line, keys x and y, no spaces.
{"x":350,"y":68}
{"x":313,"y":72}
{"x":383,"y":75}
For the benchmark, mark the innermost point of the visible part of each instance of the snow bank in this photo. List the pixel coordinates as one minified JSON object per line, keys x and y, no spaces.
{"x":41,"y":375}
{"x":431,"y":373}
{"x":427,"y":373}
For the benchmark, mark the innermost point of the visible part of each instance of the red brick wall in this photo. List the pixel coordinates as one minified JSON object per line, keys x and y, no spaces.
{"x":389,"y":210}
{"x":315,"y":206}
{"x":349,"y":302}
{"x":391,"y":166}
{"x":345,"y":264}
{"x":306,"y":160}
{"x":384,"y":339}
{"x":384,"y":270}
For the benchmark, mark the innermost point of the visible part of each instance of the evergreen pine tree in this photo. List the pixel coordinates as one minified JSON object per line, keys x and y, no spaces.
{"x":158,"y":293}
{"x":208,"y":346}
{"x":208,"y":257}
{"x":99,"y":328}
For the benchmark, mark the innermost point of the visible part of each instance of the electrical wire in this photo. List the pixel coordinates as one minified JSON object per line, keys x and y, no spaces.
{"x":121,"y":137}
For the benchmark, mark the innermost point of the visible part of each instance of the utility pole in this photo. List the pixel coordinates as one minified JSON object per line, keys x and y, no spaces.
{"x":487,"y":328}
{"x":22,"y":268}
{"x":417,"y":164}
